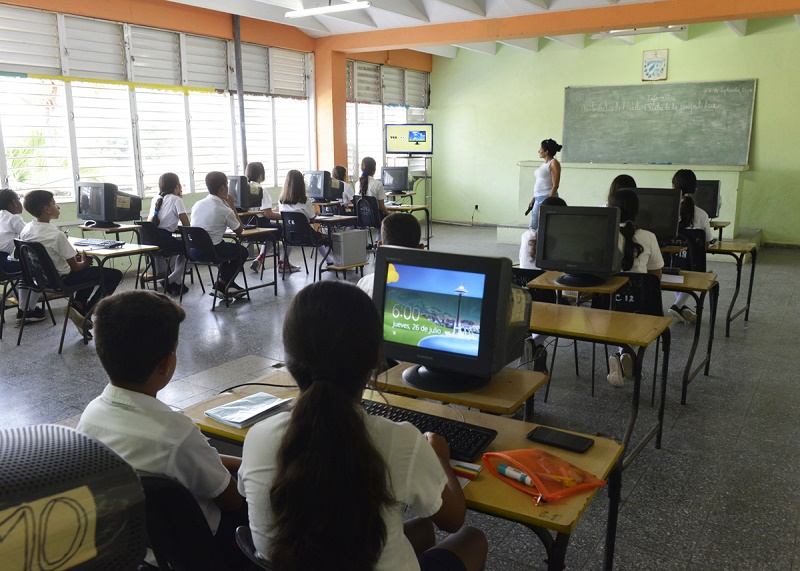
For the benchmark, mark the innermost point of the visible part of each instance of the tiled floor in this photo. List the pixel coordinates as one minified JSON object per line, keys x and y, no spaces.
{"x":723,"y":492}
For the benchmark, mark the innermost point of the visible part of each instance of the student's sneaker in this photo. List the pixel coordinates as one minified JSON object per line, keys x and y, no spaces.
{"x":688,"y":314}
{"x":31,"y":316}
{"x":615,"y":376}
{"x":287,"y":267}
{"x":176,"y":289}
{"x":627,"y":366}
{"x":257,"y":265}
{"x":83,"y":326}
{"x":235,"y":289}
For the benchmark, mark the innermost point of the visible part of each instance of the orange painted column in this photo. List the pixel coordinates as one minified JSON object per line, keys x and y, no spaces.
{"x":331,"y":108}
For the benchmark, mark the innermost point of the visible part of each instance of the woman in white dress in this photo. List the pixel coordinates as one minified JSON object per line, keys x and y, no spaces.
{"x":548,"y":179}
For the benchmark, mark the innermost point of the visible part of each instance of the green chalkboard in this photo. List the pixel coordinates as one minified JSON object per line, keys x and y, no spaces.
{"x":705,"y":123}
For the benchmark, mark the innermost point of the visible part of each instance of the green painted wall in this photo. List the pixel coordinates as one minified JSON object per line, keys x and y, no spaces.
{"x":490,"y":112}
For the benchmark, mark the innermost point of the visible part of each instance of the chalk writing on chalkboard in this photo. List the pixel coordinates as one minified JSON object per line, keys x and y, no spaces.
{"x":681,"y":123}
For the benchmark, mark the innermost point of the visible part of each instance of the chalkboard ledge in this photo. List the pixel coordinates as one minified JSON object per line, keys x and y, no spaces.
{"x":639,"y":166}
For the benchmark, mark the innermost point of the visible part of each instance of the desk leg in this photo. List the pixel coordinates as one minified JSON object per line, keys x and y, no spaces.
{"x":728,"y":319}
{"x":688,"y":375}
{"x":666,"y":339}
{"x":614,"y":481}
{"x":638,"y":358}
{"x":753,"y":258}
{"x":428,"y":226}
{"x":556,"y":548}
{"x":712,"y":323}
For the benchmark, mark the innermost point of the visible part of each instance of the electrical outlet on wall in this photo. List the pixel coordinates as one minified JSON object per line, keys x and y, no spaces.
{"x":476,"y":207}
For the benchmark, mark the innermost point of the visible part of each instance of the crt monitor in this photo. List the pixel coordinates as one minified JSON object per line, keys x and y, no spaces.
{"x":102,"y":204}
{"x":334,"y":190}
{"x":659,"y":211}
{"x":456,"y":316}
{"x":318,"y":184}
{"x":245,"y":196}
{"x":395,"y":179}
{"x":707,"y":197}
{"x":582,"y":241}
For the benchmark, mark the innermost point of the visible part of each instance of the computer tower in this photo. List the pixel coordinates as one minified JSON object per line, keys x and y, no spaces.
{"x":349,"y":247}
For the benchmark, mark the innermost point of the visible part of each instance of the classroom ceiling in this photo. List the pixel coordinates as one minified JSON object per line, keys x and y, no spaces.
{"x":394,"y":14}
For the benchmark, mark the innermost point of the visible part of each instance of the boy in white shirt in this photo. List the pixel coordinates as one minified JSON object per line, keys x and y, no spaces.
{"x":398,"y":229}
{"x":215,"y":214}
{"x":73,"y":267}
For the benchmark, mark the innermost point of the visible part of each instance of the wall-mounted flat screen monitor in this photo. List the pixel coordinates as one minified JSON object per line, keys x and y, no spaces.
{"x":659,"y":211}
{"x":458,"y":317}
{"x":409,"y":139}
{"x":707,"y":197}
{"x":582,"y":241}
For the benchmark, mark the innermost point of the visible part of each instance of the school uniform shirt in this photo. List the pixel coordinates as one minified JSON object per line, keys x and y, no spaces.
{"x":544,"y":180}
{"x":54,"y":241}
{"x":153,"y":438}
{"x":347,"y":192}
{"x":169,"y":215}
{"x":374,"y":188}
{"x":701,"y":222}
{"x":650,"y":258}
{"x":367,"y":284}
{"x":11,"y":226}
{"x":525,"y":251}
{"x":215,"y":216}
{"x":306,"y":208}
{"x":416,"y":479}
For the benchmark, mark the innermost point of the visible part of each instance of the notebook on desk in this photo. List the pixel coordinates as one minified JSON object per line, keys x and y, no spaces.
{"x":246,"y":411}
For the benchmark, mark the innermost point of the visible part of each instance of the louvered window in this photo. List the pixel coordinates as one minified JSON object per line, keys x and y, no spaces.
{"x":162,"y":136}
{"x":33,"y":122}
{"x":28,"y":41}
{"x":95,"y":49}
{"x":260,"y":138}
{"x":206,"y":62}
{"x":287,"y":72}
{"x":156,"y":56}
{"x":292,"y":136}
{"x":255,"y":69}
{"x":393,"y":84}
{"x":350,"y":90}
{"x":103,"y":134}
{"x":212,"y":146}
{"x":416,"y":88}
{"x":367,"y":82}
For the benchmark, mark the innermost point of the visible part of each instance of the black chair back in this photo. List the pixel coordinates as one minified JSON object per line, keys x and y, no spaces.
{"x":177,"y":530}
{"x":367,"y":212}
{"x":297,"y":229}
{"x":521,"y":277}
{"x":38,"y":271}
{"x":150,"y":234}
{"x":641,"y":294}
{"x":196,"y":238}
{"x":694,"y":258}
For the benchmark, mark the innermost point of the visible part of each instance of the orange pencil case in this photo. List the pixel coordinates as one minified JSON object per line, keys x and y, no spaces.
{"x":553,"y":477}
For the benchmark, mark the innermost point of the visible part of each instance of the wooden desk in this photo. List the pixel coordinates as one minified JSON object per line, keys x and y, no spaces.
{"x":114,"y":230}
{"x":486,"y":494}
{"x":259,"y":234}
{"x":738,"y":250}
{"x":672,"y":249}
{"x":719,"y":225}
{"x":548,"y":281}
{"x":626,"y":330}
{"x":508,"y":390}
{"x":695,"y":283}
{"x":419,"y":208}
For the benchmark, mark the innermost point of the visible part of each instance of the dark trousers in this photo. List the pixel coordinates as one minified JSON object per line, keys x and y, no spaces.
{"x":229,"y":269}
{"x":110,"y":277}
{"x":8,"y":266}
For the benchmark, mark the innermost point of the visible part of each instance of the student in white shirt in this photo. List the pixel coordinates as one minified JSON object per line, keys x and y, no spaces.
{"x":166,"y":212}
{"x":326,"y":484}
{"x":215,"y":214}
{"x":340,"y":174}
{"x":293,"y":198}
{"x":640,"y":254}
{"x":267,"y":217}
{"x":369,"y":186}
{"x":397,"y":229}
{"x":11,"y":224}
{"x":691,"y":217}
{"x":137,"y":341}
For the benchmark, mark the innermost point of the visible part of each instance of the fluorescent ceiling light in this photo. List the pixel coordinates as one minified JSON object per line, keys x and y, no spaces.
{"x":323,"y":10}
{"x":639,"y":32}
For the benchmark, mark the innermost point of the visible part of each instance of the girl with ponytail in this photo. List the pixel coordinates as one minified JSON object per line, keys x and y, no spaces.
{"x":166,"y":211}
{"x":368,"y":186}
{"x":640,"y":254}
{"x":326,"y":484}
{"x":691,"y":217}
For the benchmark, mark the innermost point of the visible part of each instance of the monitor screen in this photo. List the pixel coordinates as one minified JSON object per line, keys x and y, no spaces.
{"x":394,"y":178}
{"x":90,"y":200}
{"x":581,"y":241}
{"x":237,"y":185}
{"x":317,"y":182}
{"x":412,"y":139}
{"x":707,"y":197}
{"x":659,"y":211}
{"x":457,"y":316}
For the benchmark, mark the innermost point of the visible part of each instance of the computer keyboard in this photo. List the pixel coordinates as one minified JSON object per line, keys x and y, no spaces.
{"x":99,"y":243}
{"x":467,"y":441}
{"x":670,"y":270}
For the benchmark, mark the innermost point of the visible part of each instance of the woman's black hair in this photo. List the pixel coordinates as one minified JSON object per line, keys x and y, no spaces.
{"x":628,"y":203}
{"x":551,"y":147}
{"x":331,"y":484}
{"x":339,"y":173}
{"x":167,"y":184}
{"x":620,"y":181}
{"x":686,"y":181}
{"x":7,"y":196}
{"x":368,"y":167}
